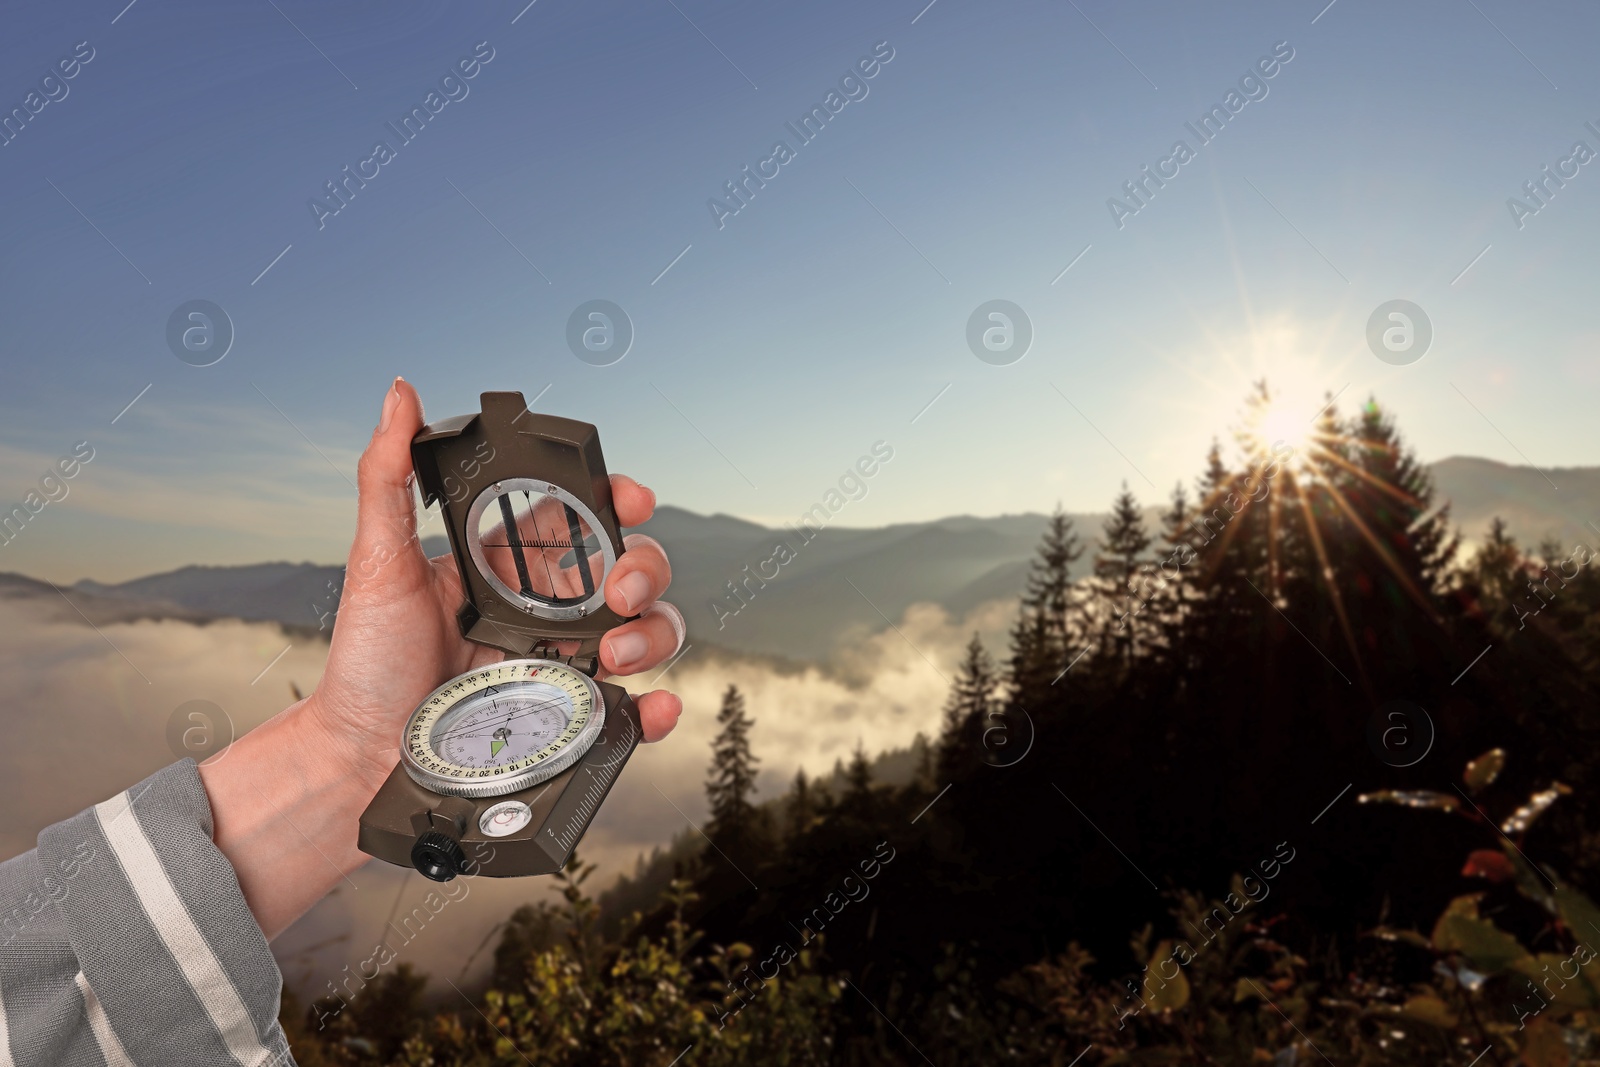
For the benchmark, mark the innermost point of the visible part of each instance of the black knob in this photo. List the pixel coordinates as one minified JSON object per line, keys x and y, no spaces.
{"x":438,"y":856}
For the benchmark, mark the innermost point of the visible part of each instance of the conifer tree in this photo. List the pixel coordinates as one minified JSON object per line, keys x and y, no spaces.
{"x":802,"y":807}
{"x":1496,"y":569}
{"x":1050,"y":584}
{"x":1032,"y":667}
{"x":1172,"y":574}
{"x":859,"y":799}
{"x":732,"y":778}
{"x":971,"y":700}
{"x":1401,"y":493}
{"x":1047,"y":624}
{"x":923,"y":777}
{"x":1121,"y":557}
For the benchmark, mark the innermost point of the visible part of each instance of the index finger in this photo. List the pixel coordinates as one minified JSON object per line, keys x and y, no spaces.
{"x":634,"y":503}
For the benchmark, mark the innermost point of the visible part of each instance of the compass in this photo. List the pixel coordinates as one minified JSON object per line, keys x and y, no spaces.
{"x":502,"y":769}
{"x":503,"y":728}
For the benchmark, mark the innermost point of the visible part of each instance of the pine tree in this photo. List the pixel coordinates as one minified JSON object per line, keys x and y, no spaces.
{"x":923,"y":777}
{"x":1496,"y":571}
{"x":859,"y":799}
{"x":1117,"y":566}
{"x":1047,"y":625}
{"x":1050,"y":585}
{"x":802,"y":808}
{"x":858,"y":776}
{"x":1357,"y":545}
{"x":971,"y":700}
{"x":732,"y":777}
{"x":1032,"y":666}
{"x":1401,"y":511}
{"x":1172,"y":575}
{"x":1228,"y":555}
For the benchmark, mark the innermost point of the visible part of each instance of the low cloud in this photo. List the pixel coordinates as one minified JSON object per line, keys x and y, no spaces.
{"x":89,"y":710}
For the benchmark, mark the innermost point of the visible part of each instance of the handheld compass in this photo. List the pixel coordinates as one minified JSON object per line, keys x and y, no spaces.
{"x":502,"y":768}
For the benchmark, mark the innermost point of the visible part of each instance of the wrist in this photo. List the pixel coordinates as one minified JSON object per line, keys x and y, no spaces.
{"x":344,"y":754}
{"x":286,"y":806}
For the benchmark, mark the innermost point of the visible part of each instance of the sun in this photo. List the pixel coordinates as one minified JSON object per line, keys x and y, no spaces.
{"x":1284,"y":424}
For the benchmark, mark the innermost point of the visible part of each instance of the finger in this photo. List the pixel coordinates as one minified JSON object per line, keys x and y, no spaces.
{"x":646,"y":642}
{"x":633,"y":503}
{"x":386,"y":517}
{"x":658,"y":713}
{"x":640,"y":576}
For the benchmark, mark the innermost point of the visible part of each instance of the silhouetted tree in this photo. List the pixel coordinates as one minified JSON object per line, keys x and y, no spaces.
{"x":1048,"y":622}
{"x":923,"y":777}
{"x":972,"y":698}
{"x":734,"y":823}
{"x":858,"y":775}
{"x":802,"y":807}
{"x":1122,"y":547}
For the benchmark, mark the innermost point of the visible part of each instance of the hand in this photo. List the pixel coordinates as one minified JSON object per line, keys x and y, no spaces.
{"x":396,"y":640}
{"x":286,"y":797}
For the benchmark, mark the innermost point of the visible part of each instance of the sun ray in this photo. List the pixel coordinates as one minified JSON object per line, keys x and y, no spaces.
{"x":1398,"y":494}
{"x":1326,"y":575}
{"x":1385,"y":554}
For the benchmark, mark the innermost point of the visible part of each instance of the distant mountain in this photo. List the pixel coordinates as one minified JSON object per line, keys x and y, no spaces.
{"x":277,"y":592}
{"x":1560,"y":502}
{"x":844,"y":582}
{"x":74,"y":604}
{"x":805,"y":610}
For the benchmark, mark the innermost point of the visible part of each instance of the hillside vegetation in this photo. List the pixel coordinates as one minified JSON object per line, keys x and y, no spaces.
{"x":1285,"y":778}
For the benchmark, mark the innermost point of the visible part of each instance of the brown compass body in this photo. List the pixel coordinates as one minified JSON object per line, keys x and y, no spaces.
{"x":503,"y":768}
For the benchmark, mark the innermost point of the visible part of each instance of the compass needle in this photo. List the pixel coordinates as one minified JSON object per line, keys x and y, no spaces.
{"x":556,"y":711}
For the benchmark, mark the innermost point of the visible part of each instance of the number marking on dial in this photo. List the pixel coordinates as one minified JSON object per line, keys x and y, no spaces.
{"x":502,"y":729}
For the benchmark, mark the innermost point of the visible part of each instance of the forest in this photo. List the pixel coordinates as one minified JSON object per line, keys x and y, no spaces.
{"x":1293,"y":778}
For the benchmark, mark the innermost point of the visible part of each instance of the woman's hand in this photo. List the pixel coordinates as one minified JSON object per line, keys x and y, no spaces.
{"x":287,"y":797}
{"x":396,"y":640}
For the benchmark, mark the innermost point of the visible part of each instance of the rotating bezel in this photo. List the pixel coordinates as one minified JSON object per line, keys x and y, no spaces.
{"x":471,"y":782}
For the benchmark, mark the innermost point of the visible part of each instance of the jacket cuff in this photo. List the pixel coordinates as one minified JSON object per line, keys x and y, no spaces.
{"x":161,"y":929}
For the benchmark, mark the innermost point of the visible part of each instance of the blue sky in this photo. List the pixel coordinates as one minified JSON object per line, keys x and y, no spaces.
{"x":826,"y":314}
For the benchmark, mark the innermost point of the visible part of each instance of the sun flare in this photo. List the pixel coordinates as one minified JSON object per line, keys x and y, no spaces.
{"x":1282,"y":424}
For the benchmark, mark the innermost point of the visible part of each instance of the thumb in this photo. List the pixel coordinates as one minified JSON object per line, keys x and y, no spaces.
{"x":386,"y":517}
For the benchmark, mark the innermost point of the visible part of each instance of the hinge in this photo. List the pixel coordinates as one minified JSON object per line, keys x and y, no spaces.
{"x":589,"y":664}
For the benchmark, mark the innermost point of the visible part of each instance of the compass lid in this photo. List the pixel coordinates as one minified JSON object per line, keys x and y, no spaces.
{"x":526,"y":502}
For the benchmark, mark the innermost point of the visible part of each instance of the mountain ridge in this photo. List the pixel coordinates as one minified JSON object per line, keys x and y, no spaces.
{"x":841,"y":582}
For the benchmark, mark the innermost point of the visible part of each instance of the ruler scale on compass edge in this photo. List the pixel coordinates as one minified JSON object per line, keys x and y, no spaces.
{"x":511,"y":761}
{"x":565,"y":824}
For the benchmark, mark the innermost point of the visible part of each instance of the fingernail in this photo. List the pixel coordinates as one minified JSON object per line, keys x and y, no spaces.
{"x":633,"y":588}
{"x":391,"y":401}
{"x":628,"y":649}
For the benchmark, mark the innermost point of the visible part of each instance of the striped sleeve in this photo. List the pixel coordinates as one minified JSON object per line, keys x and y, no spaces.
{"x":124,"y":939}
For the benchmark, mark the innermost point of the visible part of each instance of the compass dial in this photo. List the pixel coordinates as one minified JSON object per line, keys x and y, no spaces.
{"x":502,"y":728}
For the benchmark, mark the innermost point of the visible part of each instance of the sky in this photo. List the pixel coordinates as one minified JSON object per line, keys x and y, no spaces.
{"x":774,"y":346}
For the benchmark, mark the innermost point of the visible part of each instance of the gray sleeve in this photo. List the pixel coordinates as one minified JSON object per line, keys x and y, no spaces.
{"x":124,"y":939}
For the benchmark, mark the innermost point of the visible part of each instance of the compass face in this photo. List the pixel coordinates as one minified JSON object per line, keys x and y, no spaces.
{"x":502,"y":728}
{"x":540,"y":547}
